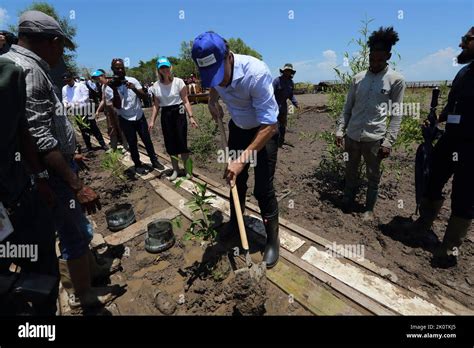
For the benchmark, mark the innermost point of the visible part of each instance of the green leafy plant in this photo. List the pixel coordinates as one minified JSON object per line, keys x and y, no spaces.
{"x":80,"y":122}
{"x":311,"y":136}
{"x":177,"y":222}
{"x":200,"y":204}
{"x":331,"y":163}
{"x":202,"y":140}
{"x":305,"y":87}
{"x":111,"y":161}
{"x":409,"y":135}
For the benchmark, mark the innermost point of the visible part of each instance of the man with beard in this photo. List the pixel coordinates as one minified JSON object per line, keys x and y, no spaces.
{"x":452,"y":156}
{"x":365,"y":128}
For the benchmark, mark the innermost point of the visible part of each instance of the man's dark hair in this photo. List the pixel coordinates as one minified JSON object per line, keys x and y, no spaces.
{"x":9,"y":37}
{"x":115,"y":60}
{"x":67,"y":75}
{"x":383,"y":39}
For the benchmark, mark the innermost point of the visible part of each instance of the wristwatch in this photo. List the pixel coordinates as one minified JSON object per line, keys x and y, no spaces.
{"x":42,"y":175}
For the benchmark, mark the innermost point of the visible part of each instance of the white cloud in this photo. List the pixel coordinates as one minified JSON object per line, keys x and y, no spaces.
{"x":3,"y":16}
{"x":315,"y":70}
{"x":330,"y":55}
{"x":435,"y":66}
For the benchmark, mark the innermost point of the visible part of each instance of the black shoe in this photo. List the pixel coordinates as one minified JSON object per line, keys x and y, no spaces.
{"x":445,"y":261}
{"x":156,"y":164}
{"x":141,"y":169}
{"x":347,"y":205}
{"x":104,"y":147}
{"x":272,"y":248}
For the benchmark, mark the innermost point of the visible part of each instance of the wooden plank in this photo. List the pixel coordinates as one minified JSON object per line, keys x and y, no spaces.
{"x":173,"y":198}
{"x":310,"y":295}
{"x":445,"y":302}
{"x":372,"y":286}
{"x":350,"y":293}
{"x":139,"y":227}
{"x":216,"y":202}
{"x":314,"y":237}
{"x":97,"y":240}
{"x":127,"y":162}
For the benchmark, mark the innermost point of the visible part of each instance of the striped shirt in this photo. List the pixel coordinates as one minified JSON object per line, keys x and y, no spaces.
{"x":47,"y":122}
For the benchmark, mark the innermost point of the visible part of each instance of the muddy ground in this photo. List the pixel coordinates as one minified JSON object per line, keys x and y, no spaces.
{"x":314,"y":200}
{"x":191,"y":278}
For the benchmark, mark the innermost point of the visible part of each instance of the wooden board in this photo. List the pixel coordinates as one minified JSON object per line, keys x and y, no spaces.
{"x":310,"y":295}
{"x":173,"y":198}
{"x":139,"y":227}
{"x":350,"y":293}
{"x":372,"y":286}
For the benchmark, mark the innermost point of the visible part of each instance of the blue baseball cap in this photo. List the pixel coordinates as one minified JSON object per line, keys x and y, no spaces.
{"x":208,"y":53}
{"x":97,"y":73}
{"x":163,"y":61}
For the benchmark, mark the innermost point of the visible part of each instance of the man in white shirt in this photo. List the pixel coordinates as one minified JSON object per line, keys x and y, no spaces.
{"x":76,"y":95}
{"x":128,"y":94}
{"x":106,"y":105}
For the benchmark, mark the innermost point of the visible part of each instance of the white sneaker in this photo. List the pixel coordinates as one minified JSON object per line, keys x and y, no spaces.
{"x":174,"y":175}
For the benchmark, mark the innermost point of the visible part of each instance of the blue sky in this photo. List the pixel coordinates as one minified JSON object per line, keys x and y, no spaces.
{"x":313,"y":40}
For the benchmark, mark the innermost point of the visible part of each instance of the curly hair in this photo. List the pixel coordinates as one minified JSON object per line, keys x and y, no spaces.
{"x":383,"y":39}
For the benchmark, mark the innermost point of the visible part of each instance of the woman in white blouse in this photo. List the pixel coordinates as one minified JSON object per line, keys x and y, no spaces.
{"x":171,"y":95}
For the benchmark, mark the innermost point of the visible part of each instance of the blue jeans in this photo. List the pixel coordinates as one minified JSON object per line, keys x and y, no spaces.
{"x":74,"y":229}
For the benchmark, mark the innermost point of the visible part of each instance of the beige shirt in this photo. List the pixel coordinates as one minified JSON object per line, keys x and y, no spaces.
{"x":365,"y":113}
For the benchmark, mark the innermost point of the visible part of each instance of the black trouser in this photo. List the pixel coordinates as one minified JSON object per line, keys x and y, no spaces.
{"x":282,"y":122}
{"x":175,"y":129}
{"x":93,"y":129}
{"x":130,"y":130}
{"x":34,"y":225}
{"x":452,"y":156}
{"x":240,"y":139}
